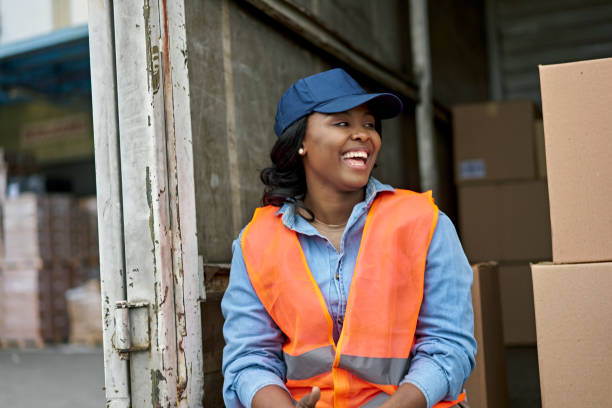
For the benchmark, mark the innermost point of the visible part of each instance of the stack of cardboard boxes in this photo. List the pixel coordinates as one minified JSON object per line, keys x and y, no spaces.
{"x":573,"y":301}
{"x":49,"y":246}
{"x":84,"y":240}
{"x":503,"y":201}
{"x":36,"y":275}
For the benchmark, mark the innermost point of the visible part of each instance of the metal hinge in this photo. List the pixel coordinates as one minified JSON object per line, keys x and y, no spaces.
{"x":132,"y":331}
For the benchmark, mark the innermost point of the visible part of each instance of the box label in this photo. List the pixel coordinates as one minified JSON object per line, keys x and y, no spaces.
{"x":472,"y":169}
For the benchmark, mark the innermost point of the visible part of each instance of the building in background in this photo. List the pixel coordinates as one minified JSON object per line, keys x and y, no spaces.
{"x":24,"y":19}
{"x":45,"y":95}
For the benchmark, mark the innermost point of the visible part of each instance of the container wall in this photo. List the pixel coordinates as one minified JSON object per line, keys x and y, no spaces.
{"x":376,"y":28}
{"x":240,"y":63}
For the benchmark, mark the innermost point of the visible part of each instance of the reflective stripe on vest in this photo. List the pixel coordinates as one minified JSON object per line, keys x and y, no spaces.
{"x":310,"y":364}
{"x":372,"y":354}
{"x":377,"y":370}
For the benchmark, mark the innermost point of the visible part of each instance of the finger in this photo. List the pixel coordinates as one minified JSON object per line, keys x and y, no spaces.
{"x":315,"y":394}
{"x":309,"y":401}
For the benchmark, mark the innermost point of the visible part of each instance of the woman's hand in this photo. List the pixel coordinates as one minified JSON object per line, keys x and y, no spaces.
{"x":310,"y":400}
{"x":273,"y":396}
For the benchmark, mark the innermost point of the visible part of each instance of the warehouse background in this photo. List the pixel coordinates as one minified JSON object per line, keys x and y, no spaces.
{"x":481,"y":51}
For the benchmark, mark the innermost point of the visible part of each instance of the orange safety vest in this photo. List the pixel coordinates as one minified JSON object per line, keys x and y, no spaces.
{"x":372,"y":354}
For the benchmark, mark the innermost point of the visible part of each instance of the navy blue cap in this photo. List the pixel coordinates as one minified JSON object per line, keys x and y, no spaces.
{"x":330,"y":92}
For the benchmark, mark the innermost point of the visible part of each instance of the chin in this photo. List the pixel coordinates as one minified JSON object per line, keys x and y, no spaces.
{"x":355,"y":183}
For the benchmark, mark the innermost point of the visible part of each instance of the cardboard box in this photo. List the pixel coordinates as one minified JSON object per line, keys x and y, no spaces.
{"x":486,"y":387}
{"x":518,"y":314}
{"x":25,"y":310}
{"x":505,"y":222}
{"x":573,"y":310}
{"x":34,"y":305}
{"x":37,"y":227}
{"x":85,"y":311}
{"x":494,"y":141}
{"x":576,"y":100}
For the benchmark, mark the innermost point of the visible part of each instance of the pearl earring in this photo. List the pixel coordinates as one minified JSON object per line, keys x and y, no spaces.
{"x":301,"y":151}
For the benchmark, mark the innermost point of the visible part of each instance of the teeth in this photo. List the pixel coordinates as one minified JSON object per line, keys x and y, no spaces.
{"x":350,"y":155}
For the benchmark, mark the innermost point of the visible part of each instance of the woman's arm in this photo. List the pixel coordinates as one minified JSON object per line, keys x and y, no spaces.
{"x":444,"y":349}
{"x":252,"y":357}
{"x":406,"y":396}
{"x":272,"y":396}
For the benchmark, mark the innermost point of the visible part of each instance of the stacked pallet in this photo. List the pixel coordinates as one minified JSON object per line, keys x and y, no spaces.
{"x":83,"y":299}
{"x":36,"y":269}
{"x":84,"y":241}
{"x":3,"y":173}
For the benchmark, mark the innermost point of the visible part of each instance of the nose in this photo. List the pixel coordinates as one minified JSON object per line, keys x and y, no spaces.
{"x":360,"y":134}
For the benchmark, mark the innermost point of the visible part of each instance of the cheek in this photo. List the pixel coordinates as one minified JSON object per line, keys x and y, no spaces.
{"x":377,"y":146}
{"x":320,"y":155}
{"x":326,"y":155}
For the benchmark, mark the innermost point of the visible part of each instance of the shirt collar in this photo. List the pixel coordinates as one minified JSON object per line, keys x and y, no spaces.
{"x":290,"y":216}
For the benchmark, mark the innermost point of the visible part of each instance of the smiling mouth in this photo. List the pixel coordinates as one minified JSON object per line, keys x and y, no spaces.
{"x":356,"y":159}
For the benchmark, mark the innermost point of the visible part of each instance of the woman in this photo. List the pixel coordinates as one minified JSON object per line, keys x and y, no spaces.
{"x":402,"y":336}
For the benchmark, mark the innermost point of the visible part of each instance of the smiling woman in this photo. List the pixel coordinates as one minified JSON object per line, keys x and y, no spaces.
{"x":344,"y":292}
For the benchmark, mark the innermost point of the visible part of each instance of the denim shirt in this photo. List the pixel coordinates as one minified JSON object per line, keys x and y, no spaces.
{"x":442,"y":356}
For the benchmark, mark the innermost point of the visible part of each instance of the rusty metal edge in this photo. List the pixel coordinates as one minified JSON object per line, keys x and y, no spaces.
{"x":181,"y":187}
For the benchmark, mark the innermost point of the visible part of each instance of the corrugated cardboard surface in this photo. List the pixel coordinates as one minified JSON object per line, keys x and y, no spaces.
{"x":505,"y":222}
{"x":577,"y":104}
{"x":486,"y":387}
{"x":518,"y":314}
{"x":573,"y":310}
{"x":494,"y":141}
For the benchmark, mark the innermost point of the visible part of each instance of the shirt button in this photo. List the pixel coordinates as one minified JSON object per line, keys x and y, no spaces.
{"x":337,"y":276}
{"x":340,"y":320}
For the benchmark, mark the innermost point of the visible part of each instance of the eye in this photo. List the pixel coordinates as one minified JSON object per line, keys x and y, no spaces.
{"x":369,"y":125}
{"x":341,"y":123}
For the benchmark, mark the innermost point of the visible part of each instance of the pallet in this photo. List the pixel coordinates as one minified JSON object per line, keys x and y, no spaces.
{"x":22,"y":263}
{"x":91,"y":340}
{"x":22,"y":344}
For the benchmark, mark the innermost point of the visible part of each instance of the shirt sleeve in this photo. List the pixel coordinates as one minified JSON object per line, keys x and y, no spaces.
{"x":252,"y":356}
{"x":444,"y":349}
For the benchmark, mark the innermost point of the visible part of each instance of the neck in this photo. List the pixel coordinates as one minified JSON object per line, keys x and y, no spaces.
{"x":332,"y":207}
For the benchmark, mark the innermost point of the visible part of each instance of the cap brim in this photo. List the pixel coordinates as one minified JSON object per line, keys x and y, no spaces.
{"x":383,"y":105}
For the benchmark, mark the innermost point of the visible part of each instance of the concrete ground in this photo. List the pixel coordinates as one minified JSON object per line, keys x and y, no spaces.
{"x":54,"y":377}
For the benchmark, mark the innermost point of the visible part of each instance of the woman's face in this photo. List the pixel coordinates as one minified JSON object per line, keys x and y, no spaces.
{"x":340,"y":149}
